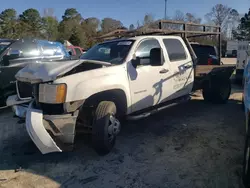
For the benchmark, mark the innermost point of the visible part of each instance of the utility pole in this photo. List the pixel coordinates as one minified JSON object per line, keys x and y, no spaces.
{"x":166,"y":9}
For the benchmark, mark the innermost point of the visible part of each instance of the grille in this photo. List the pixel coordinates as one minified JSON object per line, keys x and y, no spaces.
{"x":24,"y":90}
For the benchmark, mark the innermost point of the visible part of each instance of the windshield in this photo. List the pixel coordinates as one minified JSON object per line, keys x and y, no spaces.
{"x":113,"y":52}
{"x":3,"y":46}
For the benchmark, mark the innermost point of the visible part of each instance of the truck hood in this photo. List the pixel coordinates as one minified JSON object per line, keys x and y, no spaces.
{"x":49,"y":71}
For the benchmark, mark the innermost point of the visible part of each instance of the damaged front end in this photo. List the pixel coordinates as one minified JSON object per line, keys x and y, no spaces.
{"x":50,"y":133}
{"x":50,"y":120}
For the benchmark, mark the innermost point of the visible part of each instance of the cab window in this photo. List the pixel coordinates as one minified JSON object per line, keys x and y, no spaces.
{"x":175,"y":50}
{"x":144,"y":48}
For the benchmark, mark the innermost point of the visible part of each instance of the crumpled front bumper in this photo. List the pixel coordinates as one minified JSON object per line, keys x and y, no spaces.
{"x":61,"y":128}
{"x":37,"y":132}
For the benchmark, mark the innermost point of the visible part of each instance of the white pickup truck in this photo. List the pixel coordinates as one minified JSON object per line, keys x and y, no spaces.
{"x":127,"y":77}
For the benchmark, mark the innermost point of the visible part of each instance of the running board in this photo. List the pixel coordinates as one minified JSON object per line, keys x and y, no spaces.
{"x":146,"y":114}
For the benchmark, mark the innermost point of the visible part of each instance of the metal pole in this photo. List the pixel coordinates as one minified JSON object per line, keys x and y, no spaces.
{"x":219,"y":46}
{"x":166,"y":9}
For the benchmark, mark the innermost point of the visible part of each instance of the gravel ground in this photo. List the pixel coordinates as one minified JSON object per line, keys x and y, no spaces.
{"x":190,"y":145}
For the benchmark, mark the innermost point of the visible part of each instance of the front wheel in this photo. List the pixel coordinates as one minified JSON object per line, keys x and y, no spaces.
{"x":105,"y":127}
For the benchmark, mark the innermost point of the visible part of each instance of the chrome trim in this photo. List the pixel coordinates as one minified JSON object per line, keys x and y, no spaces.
{"x":18,"y":94}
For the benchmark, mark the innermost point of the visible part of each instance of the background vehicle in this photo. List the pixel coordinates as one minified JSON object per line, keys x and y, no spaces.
{"x":206,"y":54}
{"x":75,"y":51}
{"x":246,"y":108}
{"x":16,"y":54}
{"x":242,"y":59}
{"x":111,"y":82}
{"x":232,"y":47}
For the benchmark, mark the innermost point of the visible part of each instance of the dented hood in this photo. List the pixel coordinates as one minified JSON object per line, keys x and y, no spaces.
{"x":48,"y":71}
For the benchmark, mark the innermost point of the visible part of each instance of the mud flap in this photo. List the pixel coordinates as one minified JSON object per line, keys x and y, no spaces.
{"x":37,"y":132}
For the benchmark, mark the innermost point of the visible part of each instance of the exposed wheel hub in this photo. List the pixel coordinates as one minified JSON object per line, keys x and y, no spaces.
{"x":114,"y":126}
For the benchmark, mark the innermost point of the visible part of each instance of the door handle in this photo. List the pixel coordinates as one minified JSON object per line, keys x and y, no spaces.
{"x":163,"y":71}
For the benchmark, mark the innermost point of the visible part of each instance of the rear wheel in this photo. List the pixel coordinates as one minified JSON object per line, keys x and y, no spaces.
{"x":105,"y":127}
{"x":246,"y":162}
{"x":217,"y":92}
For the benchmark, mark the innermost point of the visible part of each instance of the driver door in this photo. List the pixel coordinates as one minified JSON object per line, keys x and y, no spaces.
{"x":148,"y":83}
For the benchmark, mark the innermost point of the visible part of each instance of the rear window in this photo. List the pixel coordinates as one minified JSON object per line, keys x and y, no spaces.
{"x":201,"y":50}
{"x":52,"y":49}
{"x":28,"y":49}
{"x":175,"y":49}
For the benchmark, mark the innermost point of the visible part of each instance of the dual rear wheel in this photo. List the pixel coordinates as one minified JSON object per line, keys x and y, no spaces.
{"x":217,"y":91}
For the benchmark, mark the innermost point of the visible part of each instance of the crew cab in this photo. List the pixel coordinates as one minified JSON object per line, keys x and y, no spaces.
{"x":127,"y":77}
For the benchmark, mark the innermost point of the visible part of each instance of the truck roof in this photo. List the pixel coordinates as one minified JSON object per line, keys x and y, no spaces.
{"x":143,"y":37}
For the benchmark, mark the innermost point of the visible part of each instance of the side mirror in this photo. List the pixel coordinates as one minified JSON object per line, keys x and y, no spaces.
{"x":135,"y":61}
{"x":156,"y":57}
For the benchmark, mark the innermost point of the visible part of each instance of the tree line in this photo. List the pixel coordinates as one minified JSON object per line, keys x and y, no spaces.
{"x":84,"y":31}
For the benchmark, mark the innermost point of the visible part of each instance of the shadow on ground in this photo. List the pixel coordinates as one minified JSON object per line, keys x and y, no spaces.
{"x":190,"y":145}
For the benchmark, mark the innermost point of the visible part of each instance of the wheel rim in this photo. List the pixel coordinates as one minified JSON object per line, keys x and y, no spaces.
{"x":113,"y":128}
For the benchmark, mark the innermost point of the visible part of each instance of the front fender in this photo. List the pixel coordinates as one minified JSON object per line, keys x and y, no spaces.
{"x":81,"y":90}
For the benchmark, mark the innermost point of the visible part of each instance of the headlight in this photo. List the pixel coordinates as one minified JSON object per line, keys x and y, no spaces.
{"x":52,"y":93}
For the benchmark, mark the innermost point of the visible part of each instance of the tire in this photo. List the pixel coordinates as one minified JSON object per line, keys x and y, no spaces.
{"x":2,"y":100}
{"x":246,"y":162}
{"x":3,"y":103}
{"x":207,"y":94}
{"x":103,"y":130}
{"x":218,"y":92}
{"x":238,"y":81}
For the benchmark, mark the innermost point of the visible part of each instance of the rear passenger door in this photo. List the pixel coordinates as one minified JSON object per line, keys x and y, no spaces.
{"x":181,"y":66}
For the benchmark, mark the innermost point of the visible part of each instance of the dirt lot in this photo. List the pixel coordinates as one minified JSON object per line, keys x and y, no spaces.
{"x":190,"y":145}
